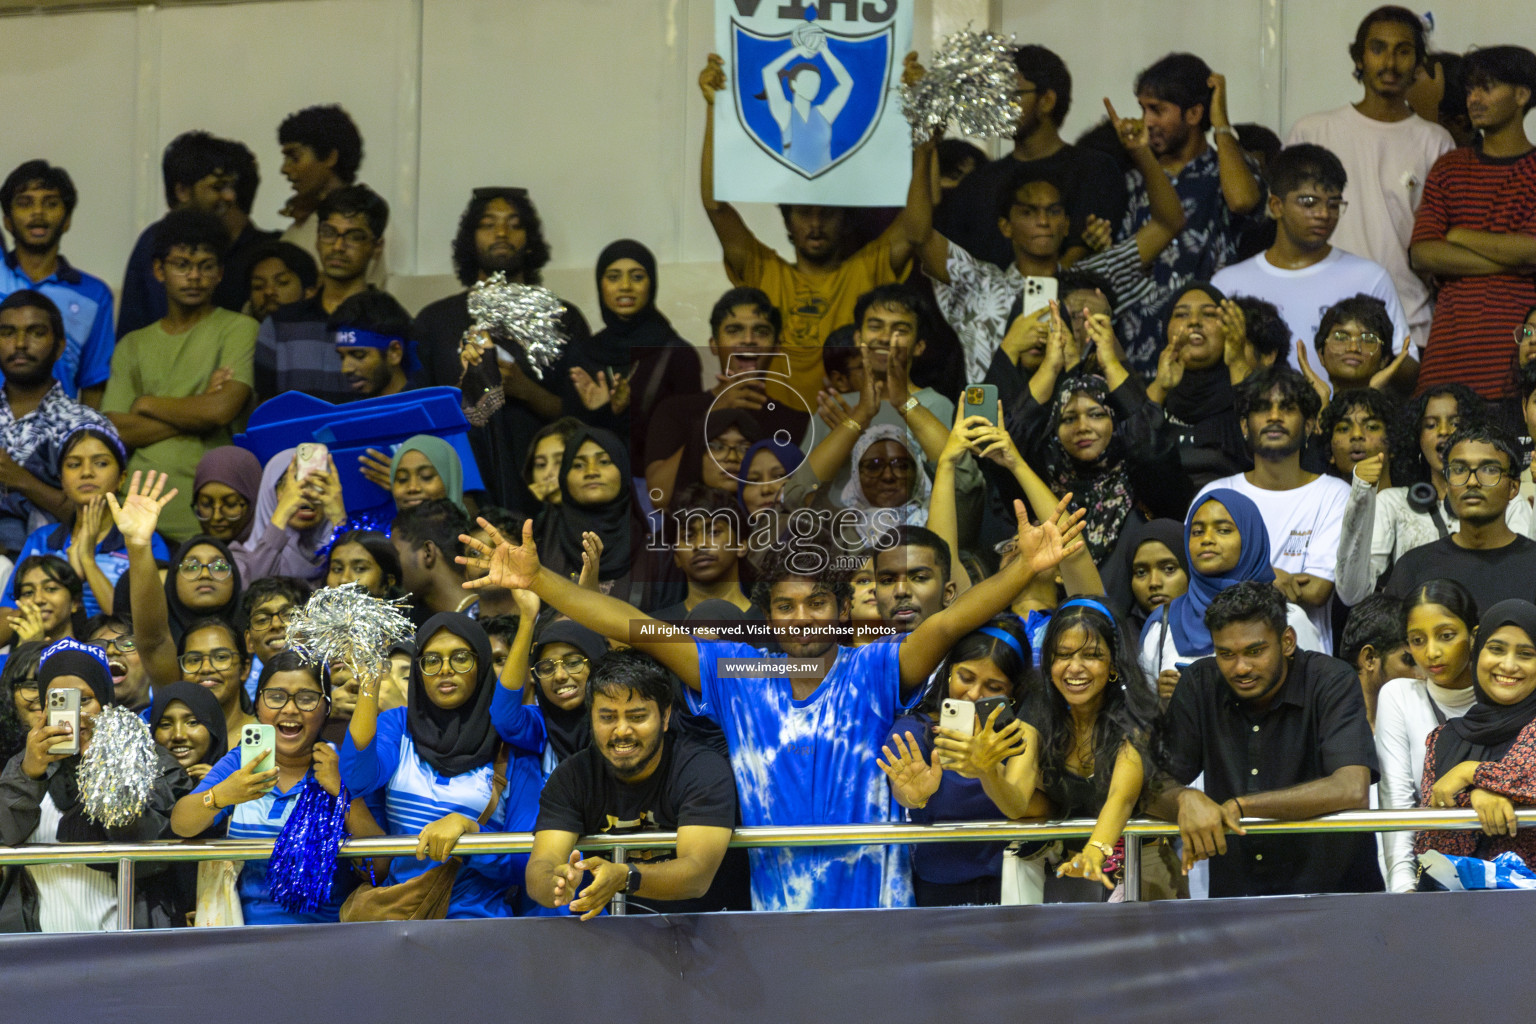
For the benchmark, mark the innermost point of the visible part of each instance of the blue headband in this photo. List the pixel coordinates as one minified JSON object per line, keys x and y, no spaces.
{"x":1008,"y":639}
{"x":358,"y":337}
{"x":1088,"y":602}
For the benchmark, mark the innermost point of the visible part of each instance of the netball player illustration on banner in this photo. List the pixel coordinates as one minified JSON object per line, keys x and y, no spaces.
{"x":822,"y":92}
{"x":806,"y":125}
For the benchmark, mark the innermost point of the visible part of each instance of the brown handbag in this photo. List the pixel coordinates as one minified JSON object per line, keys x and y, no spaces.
{"x":425,"y":897}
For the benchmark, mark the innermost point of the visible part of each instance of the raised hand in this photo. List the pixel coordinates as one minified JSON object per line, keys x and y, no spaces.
{"x":507,"y":566}
{"x":82,"y":544}
{"x":975,"y":755}
{"x":896,"y":372}
{"x":27,"y":622}
{"x":1369,"y":469}
{"x":1218,"y":111}
{"x":594,"y":394}
{"x":1170,"y":371}
{"x":374,"y":465}
{"x":911,"y":71}
{"x":1380,"y":378}
{"x":139,"y":513}
{"x":913,"y":780}
{"x":1318,"y":384}
{"x":245,"y":783}
{"x":712,"y":78}
{"x":1096,"y":234}
{"x":1044,"y":547}
{"x":326,"y":489}
{"x":591,"y":558}
{"x":991,"y":441}
{"x":528,"y":604}
{"x":1236,"y":350}
{"x":1131,"y":131}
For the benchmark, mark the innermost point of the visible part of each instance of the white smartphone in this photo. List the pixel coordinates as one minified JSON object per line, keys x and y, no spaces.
{"x":1038,"y":294}
{"x":64,"y":707}
{"x":311,"y":458}
{"x":959,"y":715}
{"x":258,"y":743}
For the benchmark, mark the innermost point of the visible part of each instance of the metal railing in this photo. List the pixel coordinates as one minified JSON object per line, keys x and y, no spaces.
{"x":126,"y":854}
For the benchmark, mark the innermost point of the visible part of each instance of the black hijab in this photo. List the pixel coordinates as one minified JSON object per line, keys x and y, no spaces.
{"x":615,"y":520}
{"x":182,"y":617}
{"x":1200,"y":394}
{"x":458,"y":740}
{"x":1488,"y":729}
{"x":568,"y":731}
{"x":647,"y":329}
{"x":72,"y":658}
{"x":1169,"y":533}
{"x":690,"y":468}
{"x":202,"y":703}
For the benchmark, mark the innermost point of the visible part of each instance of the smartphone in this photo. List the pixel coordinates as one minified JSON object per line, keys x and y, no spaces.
{"x":258,"y":743}
{"x":64,"y":707}
{"x":987,"y":705}
{"x":1038,"y":294}
{"x":959,"y":715}
{"x":981,"y":400}
{"x":310,"y":459}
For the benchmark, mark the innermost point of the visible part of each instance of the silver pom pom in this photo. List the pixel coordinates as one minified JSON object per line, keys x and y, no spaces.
{"x":118,"y":769}
{"x":524,"y":313}
{"x":349,"y":625}
{"x":971,"y":85}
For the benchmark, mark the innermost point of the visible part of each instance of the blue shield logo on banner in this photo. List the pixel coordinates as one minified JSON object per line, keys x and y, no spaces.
{"x":809,"y":97}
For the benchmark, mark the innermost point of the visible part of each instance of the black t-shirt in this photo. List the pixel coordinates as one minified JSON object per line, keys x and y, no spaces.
{"x":1090,"y":181}
{"x":1493,"y":575}
{"x":693,"y":785}
{"x":1313,"y":727}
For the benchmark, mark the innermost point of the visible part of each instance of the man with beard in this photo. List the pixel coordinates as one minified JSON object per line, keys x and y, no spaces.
{"x":1093,"y":182}
{"x":1303,"y":512}
{"x":295,"y":350}
{"x":1476,"y":231}
{"x":373,"y":339}
{"x":912,"y":577}
{"x":508,"y":403}
{"x":638,"y":774}
{"x":1219,"y":189}
{"x":37,"y":201}
{"x":1387,"y":151}
{"x":35,"y":414}
{"x":1482,"y":469}
{"x":804,"y":740}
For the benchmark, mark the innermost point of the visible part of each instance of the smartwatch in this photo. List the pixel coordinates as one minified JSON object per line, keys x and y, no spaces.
{"x":633,"y":885}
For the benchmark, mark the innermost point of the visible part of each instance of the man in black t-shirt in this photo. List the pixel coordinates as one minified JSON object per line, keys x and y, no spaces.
{"x":635,"y":776}
{"x":1278,"y":733}
{"x":1482,"y":473}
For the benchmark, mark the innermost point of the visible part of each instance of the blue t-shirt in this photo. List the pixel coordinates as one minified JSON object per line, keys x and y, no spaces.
{"x":111,"y":556}
{"x":415,"y":795}
{"x":264,"y":818}
{"x":85,"y":303}
{"x":957,"y":799}
{"x":812,"y":762}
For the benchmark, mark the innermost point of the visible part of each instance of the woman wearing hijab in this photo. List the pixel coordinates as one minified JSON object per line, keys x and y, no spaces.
{"x":1153,"y":570}
{"x":715,"y":456}
{"x":887,"y":484}
{"x":424,"y":468}
{"x":637,"y":344}
{"x":40,"y":802}
{"x":1486,"y":759}
{"x":435,"y":760}
{"x":1202,"y":362}
{"x":187,"y":721}
{"x":559,"y":661}
{"x":295,"y":521}
{"x":204,"y":582}
{"x":224,"y":490}
{"x":1227,"y":544}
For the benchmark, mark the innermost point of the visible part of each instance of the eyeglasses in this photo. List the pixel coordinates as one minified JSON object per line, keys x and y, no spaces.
{"x":31,"y":696}
{"x":206,"y":268}
{"x":121,"y":644}
{"x":261,"y":620}
{"x":304,"y":700}
{"x":221,"y":658}
{"x":571,"y":663}
{"x":1524,"y":334}
{"x":461,"y":660}
{"x":229,"y":508}
{"x":191,"y":569}
{"x":724,"y":449}
{"x":354,"y":239}
{"x":1310,"y":203}
{"x":898,"y":465}
{"x":1365,"y":341}
{"x":1488,"y":473}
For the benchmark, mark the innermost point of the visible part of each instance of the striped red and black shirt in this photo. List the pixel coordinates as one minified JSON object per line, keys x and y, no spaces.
{"x":1471,"y":339}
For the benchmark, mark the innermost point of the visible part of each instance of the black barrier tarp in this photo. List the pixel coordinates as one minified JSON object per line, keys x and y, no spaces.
{"x":1425,"y":957}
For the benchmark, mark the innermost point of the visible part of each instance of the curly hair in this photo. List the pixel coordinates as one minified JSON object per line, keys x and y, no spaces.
{"x":466,"y":259}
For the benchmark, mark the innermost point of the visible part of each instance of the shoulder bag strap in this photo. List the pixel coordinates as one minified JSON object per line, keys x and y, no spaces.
{"x":498,"y":783}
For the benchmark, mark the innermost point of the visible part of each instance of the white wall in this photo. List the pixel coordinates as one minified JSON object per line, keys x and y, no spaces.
{"x":591,"y":104}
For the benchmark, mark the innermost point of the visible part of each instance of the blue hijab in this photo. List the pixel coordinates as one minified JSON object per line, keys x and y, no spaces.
{"x":1186,"y":613}
{"x":789,"y":456}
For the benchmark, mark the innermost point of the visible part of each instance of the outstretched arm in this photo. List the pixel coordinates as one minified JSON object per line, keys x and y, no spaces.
{"x":736,"y":240}
{"x":1041,"y":548}
{"x":136,"y":518}
{"x":516,"y":567}
{"x":773,"y":88}
{"x":1167,"y":211}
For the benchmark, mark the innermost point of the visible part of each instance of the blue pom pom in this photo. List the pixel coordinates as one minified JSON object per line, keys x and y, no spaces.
{"x":303,"y":866}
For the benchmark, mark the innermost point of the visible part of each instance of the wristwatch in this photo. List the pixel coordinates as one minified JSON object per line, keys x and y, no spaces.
{"x":633,"y":885}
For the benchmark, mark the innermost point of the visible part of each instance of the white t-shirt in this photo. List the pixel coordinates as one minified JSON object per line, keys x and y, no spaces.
{"x":70,"y":897}
{"x":1304,"y":526}
{"x":1302,"y":296}
{"x":1387,"y":162}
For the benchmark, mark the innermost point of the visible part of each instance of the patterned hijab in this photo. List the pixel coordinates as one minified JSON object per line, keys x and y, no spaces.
{"x":1102,"y":486}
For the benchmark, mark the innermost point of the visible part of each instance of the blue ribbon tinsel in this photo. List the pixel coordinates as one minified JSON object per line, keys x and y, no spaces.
{"x":303,"y":865}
